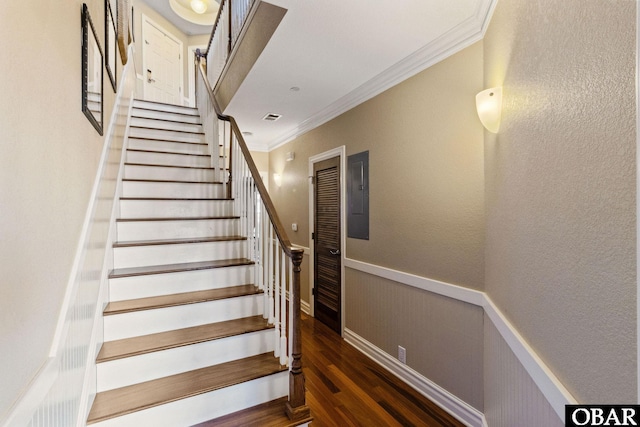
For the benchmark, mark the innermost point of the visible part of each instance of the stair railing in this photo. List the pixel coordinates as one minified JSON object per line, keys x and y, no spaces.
{"x":276,"y":261}
{"x":232,"y":15}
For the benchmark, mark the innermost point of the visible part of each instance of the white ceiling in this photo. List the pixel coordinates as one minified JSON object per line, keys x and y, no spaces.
{"x":189,"y":28}
{"x":341,"y":53}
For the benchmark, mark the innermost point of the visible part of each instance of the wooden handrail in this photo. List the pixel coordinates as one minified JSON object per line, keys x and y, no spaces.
{"x":296,"y":407}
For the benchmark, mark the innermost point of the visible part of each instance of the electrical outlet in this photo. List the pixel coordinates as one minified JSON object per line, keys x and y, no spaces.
{"x":402,"y":354}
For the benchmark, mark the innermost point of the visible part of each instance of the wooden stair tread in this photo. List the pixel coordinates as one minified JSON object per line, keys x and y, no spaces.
{"x":149,"y":303}
{"x":118,"y":349}
{"x":195,"y":218}
{"x":170,"y":181}
{"x":270,"y":414}
{"x":168,"y":152}
{"x":164,"y":130}
{"x":125,"y":400}
{"x":133,"y":116}
{"x":148,"y":138}
{"x":184,"y":108}
{"x":180,"y":241}
{"x":157,"y":165}
{"x":175,"y":268}
{"x":225,"y":199}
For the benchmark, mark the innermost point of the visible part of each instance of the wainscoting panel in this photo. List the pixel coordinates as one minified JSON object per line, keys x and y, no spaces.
{"x":511,"y":397}
{"x":442,"y":336}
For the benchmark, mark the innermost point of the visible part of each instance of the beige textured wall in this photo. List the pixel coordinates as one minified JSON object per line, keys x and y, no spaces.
{"x":48,"y":159}
{"x":443,"y":337}
{"x":560,"y":187}
{"x":426,"y":173}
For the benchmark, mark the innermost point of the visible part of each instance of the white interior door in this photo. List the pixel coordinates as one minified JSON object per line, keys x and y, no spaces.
{"x":162,"y":59}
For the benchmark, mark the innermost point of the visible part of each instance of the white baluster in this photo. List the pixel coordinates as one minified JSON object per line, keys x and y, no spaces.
{"x":276,"y":297}
{"x":270,"y":260}
{"x":283,"y":310}
{"x":290,"y":310}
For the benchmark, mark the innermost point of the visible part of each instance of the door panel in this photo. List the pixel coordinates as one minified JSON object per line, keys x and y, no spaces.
{"x":327,"y":256}
{"x":163,"y":62}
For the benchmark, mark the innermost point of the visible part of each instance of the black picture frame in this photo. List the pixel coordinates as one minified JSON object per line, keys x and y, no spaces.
{"x":110,"y":44}
{"x":92,"y":73}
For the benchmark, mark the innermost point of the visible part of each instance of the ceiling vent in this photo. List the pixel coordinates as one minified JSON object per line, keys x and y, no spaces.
{"x":272,"y":117}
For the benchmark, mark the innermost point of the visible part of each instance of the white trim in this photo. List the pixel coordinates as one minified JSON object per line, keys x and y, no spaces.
{"x":149,"y":21}
{"x":441,"y":288}
{"x":341,"y":153}
{"x":305,"y":307}
{"x":191,"y":70}
{"x":459,"y":37}
{"x":458,"y":408}
{"x":550,"y":386}
{"x":638,"y":198}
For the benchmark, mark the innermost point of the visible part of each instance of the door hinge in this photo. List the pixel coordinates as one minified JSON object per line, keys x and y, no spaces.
{"x":313,"y":291}
{"x":313,"y":236}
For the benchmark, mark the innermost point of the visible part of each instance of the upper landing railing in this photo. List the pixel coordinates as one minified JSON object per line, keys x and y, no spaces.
{"x":276,"y":261}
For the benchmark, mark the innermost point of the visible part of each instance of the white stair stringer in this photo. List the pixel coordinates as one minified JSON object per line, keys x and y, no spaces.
{"x":180,"y":268}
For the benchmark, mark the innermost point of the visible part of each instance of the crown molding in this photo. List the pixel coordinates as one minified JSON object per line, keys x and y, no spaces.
{"x":459,"y":37}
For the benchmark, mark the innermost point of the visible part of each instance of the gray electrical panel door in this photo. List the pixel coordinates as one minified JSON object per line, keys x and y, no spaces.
{"x":358,"y":196}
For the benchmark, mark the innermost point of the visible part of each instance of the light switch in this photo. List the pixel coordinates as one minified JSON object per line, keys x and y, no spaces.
{"x":294,"y":226}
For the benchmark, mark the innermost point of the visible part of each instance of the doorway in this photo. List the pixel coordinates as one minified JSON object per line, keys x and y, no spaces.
{"x":326,"y":200}
{"x":161,"y":64}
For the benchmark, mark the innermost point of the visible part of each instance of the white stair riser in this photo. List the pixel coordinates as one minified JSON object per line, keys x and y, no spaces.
{"x":153,"y":114}
{"x":133,"y":287}
{"x":138,"y":256}
{"x":167,"y":146}
{"x":172,"y":190}
{"x":175,"y":208}
{"x":135,"y":132}
{"x":147,"y":367}
{"x":167,"y":159}
{"x":203,"y":407}
{"x":170,"y":173}
{"x":148,"y":230}
{"x":165,"y":124}
{"x":165,"y":107}
{"x":132,"y":324}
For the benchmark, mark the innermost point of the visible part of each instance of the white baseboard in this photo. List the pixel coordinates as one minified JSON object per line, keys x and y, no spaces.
{"x":305,"y":307}
{"x":461,"y":410}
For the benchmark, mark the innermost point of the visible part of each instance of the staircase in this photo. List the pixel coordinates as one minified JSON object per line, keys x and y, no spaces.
{"x":185,"y":339}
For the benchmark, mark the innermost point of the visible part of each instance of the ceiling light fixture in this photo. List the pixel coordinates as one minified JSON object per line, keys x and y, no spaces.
{"x":199,"y":6}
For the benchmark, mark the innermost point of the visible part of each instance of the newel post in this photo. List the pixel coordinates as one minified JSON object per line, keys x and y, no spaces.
{"x":296,"y":406}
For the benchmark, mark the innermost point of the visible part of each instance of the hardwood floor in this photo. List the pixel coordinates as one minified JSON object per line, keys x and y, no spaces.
{"x":346,"y":388}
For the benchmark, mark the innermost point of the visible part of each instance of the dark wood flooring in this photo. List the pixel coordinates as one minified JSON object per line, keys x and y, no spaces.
{"x":346,"y":388}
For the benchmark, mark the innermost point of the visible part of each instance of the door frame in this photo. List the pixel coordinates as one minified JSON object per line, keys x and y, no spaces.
{"x":148,"y":21}
{"x":341,"y":153}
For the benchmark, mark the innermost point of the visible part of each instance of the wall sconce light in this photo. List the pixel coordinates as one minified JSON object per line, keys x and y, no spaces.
{"x":277,"y":178}
{"x":489,"y":106}
{"x":290,"y":156}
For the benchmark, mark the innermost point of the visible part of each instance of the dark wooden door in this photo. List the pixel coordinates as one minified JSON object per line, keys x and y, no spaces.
{"x":327,"y":256}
